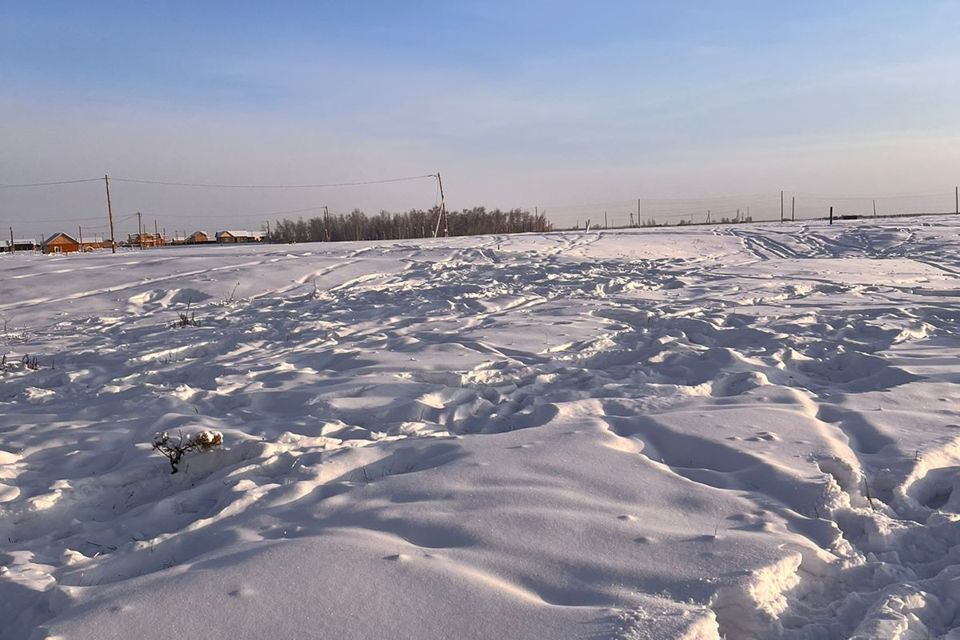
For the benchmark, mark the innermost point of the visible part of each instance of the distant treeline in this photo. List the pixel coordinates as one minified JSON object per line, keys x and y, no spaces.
{"x":412,"y":224}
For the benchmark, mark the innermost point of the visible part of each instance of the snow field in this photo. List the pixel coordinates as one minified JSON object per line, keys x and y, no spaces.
{"x":741,"y":432}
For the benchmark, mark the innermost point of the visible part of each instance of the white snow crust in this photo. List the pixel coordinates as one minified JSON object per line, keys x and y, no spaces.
{"x":742,"y":431}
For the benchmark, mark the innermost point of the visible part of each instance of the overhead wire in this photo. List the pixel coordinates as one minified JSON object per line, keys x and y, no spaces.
{"x":48,"y":184}
{"x":328,"y":185}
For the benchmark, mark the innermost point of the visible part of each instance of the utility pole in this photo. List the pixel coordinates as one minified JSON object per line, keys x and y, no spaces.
{"x":956,"y":195}
{"x":442,"y":215}
{"x":156,"y":234}
{"x":831,"y":215}
{"x":80,"y":230}
{"x":113,"y":241}
{"x":874,"y":208}
{"x":781,"y":206}
{"x":793,"y":208}
{"x":639,"y":219}
{"x":140,"y":230}
{"x":606,"y":224}
{"x":13,"y":247}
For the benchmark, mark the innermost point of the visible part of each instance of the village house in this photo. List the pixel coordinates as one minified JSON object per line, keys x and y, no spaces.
{"x":145,"y":240}
{"x":198,"y":237}
{"x":19,"y":244}
{"x":92,"y":245}
{"x":238,"y":236}
{"x":25,"y":244}
{"x":60,"y":242}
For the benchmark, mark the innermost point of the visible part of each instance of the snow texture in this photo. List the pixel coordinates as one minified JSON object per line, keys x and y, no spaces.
{"x":742,"y":431}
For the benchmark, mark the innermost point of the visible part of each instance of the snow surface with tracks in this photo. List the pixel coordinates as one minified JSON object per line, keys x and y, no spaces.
{"x":741,"y":431}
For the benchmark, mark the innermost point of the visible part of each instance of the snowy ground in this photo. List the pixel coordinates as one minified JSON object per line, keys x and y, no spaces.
{"x":749,"y":432}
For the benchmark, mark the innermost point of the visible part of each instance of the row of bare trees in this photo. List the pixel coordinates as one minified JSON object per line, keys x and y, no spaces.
{"x":411,"y":224}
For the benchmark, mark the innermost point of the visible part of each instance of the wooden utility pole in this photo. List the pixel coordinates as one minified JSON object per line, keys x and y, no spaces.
{"x":442,"y":215}
{"x":113,"y":241}
{"x":443,"y":208}
{"x":781,"y":206}
{"x":80,"y":231}
{"x":956,"y":195}
{"x":793,"y":208}
{"x":831,"y":215}
{"x":606,"y":224}
{"x":874,"y":208}
{"x":639,"y":219}
{"x":140,"y":230}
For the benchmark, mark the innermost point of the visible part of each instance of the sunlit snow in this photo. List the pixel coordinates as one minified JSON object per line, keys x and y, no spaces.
{"x":745,"y":431}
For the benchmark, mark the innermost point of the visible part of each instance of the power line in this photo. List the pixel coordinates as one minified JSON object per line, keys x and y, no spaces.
{"x":271,"y":186}
{"x":48,"y":184}
{"x":823,"y":196}
{"x":259,"y":214}
{"x":742,"y":196}
{"x":631,"y":202}
{"x":32,"y":220}
{"x":68,"y":220}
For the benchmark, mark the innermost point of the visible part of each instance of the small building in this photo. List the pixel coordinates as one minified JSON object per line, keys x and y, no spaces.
{"x":145,"y":240}
{"x":19,"y":244}
{"x":238,"y":236}
{"x":60,"y":242}
{"x":98,"y":243}
{"x":198,"y":237}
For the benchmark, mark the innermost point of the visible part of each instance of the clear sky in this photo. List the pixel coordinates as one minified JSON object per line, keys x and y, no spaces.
{"x":549,"y":104}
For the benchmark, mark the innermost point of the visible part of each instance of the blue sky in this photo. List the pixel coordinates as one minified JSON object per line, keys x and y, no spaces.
{"x":519,"y":104}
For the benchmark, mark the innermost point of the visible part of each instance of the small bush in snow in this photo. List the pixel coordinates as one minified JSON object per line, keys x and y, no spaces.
{"x":186,"y":318}
{"x":173,"y":450}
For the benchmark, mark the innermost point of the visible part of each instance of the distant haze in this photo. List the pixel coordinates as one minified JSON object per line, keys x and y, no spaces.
{"x":576,"y":108}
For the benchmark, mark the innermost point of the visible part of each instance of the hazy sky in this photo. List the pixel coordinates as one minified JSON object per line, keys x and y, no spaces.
{"x":549,"y":104}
